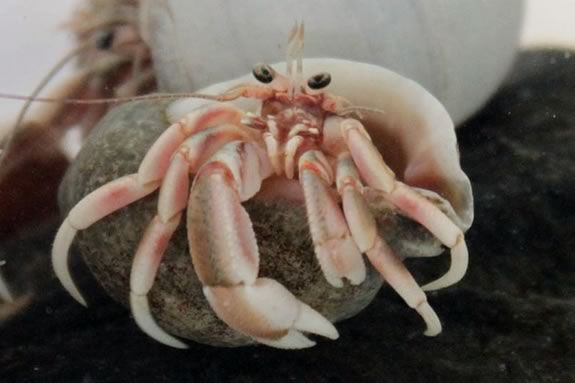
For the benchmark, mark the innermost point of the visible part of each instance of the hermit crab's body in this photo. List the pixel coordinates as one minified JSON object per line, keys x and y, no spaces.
{"x":298,"y":135}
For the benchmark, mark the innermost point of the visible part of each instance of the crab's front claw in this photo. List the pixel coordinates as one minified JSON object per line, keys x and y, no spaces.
{"x":226,"y":258}
{"x":267,"y":312}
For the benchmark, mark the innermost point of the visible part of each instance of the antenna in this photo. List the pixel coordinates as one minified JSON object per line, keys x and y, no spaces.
{"x":295,"y":54}
{"x":7,"y":141}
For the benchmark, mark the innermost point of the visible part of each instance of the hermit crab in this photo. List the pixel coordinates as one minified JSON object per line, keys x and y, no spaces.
{"x":286,"y":134}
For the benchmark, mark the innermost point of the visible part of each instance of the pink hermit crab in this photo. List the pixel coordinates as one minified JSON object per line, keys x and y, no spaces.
{"x":305,"y":143}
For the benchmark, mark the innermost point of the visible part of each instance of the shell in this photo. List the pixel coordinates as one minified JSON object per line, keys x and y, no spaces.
{"x":459,"y":50}
{"x":413,"y":131}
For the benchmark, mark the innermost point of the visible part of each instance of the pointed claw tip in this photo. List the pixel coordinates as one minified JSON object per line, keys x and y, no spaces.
{"x":333,"y":335}
{"x":311,"y":321}
{"x":431,"y":319}
{"x":143,"y":317}
{"x":357,"y":277}
{"x":355,"y":282}
{"x":457,"y":270}
{"x":432,"y":332}
{"x":327,"y":330}
{"x":178,"y":345}
{"x":81,"y":300}
{"x":70,"y":287}
{"x":335,"y":282}
{"x":60,"y":254}
{"x":292,"y":341}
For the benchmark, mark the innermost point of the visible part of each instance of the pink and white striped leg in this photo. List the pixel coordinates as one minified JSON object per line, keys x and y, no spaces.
{"x":335,"y":249}
{"x":225,"y":254}
{"x":364,"y":231}
{"x":156,"y":162}
{"x":377,"y":174}
{"x":98,"y":204}
{"x":171,"y":202}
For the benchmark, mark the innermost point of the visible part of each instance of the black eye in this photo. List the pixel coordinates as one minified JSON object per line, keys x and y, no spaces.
{"x":105,"y":40}
{"x":264,"y":73}
{"x":319,"y":81}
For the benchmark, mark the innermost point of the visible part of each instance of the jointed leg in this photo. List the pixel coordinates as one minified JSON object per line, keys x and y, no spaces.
{"x":5,"y":294}
{"x":172,"y":201}
{"x":335,"y":249}
{"x":377,"y":174}
{"x":95,"y":206}
{"x":155,"y":163}
{"x":364,"y":231}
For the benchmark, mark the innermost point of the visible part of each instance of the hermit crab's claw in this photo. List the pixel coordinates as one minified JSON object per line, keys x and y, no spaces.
{"x":225,"y":254}
{"x":269,"y":313}
{"x":295,"y":58}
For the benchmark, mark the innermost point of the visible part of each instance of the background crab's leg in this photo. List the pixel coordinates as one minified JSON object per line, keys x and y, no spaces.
{"x":103,"y":201}
{"x":364,"y":231}
{"x":171,"y":202}
{"x":225,"y":254}
{"x":335,"y":249}
{"x":5,"y":293}
{"x":377,"y":174}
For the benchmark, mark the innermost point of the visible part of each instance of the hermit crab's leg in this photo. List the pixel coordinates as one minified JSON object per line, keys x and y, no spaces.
{"x":171,"y":202}
{"x":95,"y":206}
{"x":5,"y":293}
{"x":364,"y":231}
{"x":225,"y":254}
{"x":335,"y":249}
{"x":156,"y":162}
{"x":378,"y":175}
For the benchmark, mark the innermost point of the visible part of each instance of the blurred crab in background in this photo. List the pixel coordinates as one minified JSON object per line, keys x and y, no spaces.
{"x":111,"y":61}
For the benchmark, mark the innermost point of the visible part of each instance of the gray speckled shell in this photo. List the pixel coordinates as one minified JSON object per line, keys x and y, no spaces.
{"x":117,"y":146}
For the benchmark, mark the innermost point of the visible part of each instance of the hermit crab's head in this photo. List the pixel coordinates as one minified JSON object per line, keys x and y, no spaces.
{"x":293,"y":82}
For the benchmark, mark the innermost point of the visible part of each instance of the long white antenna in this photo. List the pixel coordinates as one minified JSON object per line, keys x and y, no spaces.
{"x":295,"y":54}
{"x":299,"y":58}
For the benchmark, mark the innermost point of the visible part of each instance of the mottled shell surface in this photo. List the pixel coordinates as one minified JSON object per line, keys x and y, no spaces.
{"x":459,"y":50}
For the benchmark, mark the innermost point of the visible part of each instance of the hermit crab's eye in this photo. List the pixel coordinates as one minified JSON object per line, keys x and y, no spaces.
{"x":264,"y":73}
{"x":105,"y":40}
{"x":319,"y":81}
